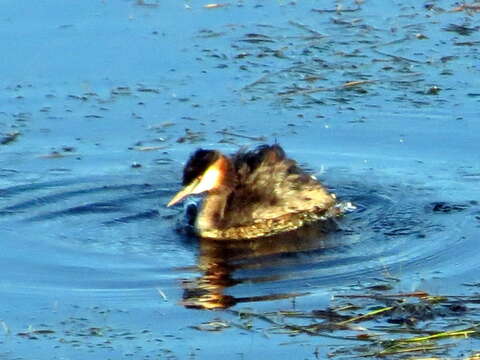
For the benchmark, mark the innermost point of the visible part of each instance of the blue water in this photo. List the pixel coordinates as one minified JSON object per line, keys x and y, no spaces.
{"x":102,"y":92}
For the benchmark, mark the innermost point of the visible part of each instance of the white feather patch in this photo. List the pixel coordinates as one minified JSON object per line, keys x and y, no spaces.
{"x":208,"y":181}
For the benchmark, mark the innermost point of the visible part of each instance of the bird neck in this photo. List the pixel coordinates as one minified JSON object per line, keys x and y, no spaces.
{"x":212,"y":213}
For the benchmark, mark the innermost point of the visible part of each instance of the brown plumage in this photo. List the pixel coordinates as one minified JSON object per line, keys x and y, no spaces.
{"x":252,"y":193}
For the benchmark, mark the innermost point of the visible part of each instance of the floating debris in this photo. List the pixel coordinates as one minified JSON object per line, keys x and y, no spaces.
{"x":467,"y":43}
{"x":31,"y":334}
{"x":347,"y":85}
{"x":338,"y":10}
{"x":191,"y":137}
{"x":215,"y":325}
{"x":215,"y":6}
{"x":399,"y":58}
{"x":121,"y":90}
{"x":162,"y":294}
{"x":434,"y":90}
{"x":77,"y":97}
{"x":381,"y":320}
{"x":467,"y":7}
{"x":366,"y":316}
{"x":55,"y":154}
{"x":420,"y":36}
{"x":445,"y":207}
{"x":67,"y":148}
{"x":148,"y":90}
{"x":95,"y":331}
{"x":9,"y":137}
{"x":257,"y":38}
{"x":306,"y":28}
{"x":149,"y":148}
{"x":5,"y":327}
{"x":146,"y":4}
{"x":254,"y":138}
{"x":461,"y":29}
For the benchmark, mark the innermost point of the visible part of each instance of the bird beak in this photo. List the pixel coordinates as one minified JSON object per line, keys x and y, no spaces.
{"x":182,"y":194}
{"x":208,"y":181}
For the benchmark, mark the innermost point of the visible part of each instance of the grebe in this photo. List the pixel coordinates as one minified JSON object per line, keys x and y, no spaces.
{"x":252,"y":194}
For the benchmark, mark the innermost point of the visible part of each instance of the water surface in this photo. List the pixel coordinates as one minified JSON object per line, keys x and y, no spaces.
{"x":102,"y":95}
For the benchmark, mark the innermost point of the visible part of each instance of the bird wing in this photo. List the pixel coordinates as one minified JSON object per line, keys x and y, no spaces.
{"x":270,"y":185}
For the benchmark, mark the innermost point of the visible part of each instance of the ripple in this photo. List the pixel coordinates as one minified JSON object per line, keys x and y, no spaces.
{"x":105,"y":235}
{"x":95,"y":235}
{"x":393,"y":231}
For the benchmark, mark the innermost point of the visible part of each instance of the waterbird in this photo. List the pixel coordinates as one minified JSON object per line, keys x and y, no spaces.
{"x":253,"y":194}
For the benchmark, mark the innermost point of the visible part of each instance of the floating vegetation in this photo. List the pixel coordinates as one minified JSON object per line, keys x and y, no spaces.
{"x":390,"y":324}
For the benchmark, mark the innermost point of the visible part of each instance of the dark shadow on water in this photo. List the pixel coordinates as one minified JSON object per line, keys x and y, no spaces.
{"x":219,"y":260}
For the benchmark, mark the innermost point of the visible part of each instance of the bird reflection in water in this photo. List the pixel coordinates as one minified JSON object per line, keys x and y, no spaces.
{"x":218,"y":261}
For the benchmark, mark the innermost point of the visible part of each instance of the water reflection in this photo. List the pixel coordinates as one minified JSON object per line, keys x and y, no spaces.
{"x":218,"y":261}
